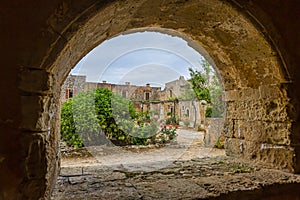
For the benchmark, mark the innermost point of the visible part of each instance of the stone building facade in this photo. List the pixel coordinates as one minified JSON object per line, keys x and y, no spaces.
{"x":72,"y":86}
{"x":167,"y":103}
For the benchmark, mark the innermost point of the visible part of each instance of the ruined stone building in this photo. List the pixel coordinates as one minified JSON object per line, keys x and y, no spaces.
{"x":254,"y":46}
{"x":167,"y":103}
{"x":75,"y":84}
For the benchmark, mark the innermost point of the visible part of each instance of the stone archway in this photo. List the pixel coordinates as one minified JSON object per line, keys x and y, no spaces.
{"x":260,"y":115}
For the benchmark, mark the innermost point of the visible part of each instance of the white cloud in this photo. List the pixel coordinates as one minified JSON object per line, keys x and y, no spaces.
{"x":140,"y":58}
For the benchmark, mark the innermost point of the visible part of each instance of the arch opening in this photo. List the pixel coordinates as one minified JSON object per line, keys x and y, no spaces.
{"x":258,"y":124}
{"x":248,"y":67}
{"x":181,"y":107}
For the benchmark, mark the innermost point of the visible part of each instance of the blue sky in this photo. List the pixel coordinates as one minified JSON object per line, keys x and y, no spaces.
{"x":139,"y":58}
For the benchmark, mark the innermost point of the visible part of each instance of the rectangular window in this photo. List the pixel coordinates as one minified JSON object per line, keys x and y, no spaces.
{"x":124,"y":94}
{"x":147,"y":96}
{"x":69,"y":93}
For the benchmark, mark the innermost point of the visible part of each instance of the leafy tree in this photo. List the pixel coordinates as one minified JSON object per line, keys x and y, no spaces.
{"x":67,"y":126}
{"x":216,"y":92}
{"x":206,"y":86}
{"x":199,"y":85}
{"x":97,"y":116}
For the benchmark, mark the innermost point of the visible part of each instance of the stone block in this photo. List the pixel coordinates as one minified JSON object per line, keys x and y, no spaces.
{"x":263,"y":132}
{"x":266,"y":70}
{"x":245,"y":94}
{"x":271,"y":92}
{"x":35,"y":80}
{"x":232,"y":147}
{"x":277,"y":133}
{"x":228,"y":128}
{"x":35,"y":113}
{"x":280,"y":157}
{"x":214,"y":131}
{"x":276,"y":156}
{"x":71,"y":171}
{"x":255,"y":110}
{"x":232,"y":95}
{"x":237,"y":110}
{"x":34,"y":146}
{"x":248,"y":94}
{"x":249,"y":149}
{"x":248,"y":130}
{"x":276,"y":110}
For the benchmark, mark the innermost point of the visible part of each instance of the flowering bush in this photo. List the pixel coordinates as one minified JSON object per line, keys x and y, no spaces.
{"x":93,"y":117}
{"x":169,"y":131}
{"x":147,"y":134}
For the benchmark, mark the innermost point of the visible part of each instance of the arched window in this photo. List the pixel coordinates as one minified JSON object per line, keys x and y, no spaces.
{"x":187,"y":112}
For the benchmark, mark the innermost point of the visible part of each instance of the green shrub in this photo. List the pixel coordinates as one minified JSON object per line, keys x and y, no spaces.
{"x":170,"y":131}
{"x":199,"y":128}
{"x":219,"y":145}
{"x":208,"y":112}
{"x":67,"y":127}
{"x":92,"y":117}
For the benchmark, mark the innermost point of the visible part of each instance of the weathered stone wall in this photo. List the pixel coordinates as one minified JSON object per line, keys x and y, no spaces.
{"x":74,"y":82}
{"x":258,"y":126}
{"x":253,"y":45}
{"x":177,"y":88}
{"x":194,"y":118}
{"x":214,"y":130}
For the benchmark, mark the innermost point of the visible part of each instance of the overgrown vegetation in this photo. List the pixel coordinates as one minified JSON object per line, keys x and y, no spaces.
{"x":206,"y":86}
{"x":67,"y":128}
{"x":93,"y":117}
{"x":219,"y":144}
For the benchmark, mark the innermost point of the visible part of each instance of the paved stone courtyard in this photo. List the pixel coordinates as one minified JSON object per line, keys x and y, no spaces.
{"x":181,"y":170}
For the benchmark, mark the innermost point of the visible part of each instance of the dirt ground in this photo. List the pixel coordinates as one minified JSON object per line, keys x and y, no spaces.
{"x":184,"y":169}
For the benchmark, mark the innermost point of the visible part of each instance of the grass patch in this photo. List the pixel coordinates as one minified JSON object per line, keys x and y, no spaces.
{"x":240,"y":169}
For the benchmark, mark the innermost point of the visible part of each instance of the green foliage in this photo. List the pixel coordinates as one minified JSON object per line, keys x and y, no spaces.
{"x":240,"y":169}
{"x":206,"y":86}
{"x":92,"y":117}
{"x":219,"y":145}
{"x":187,"y":123}
{"x":67,"y":128}
{"x":199,"y":128}
{"x":141,"y":133}
{"x":208,"y":112}
{"x":143,"y":116}
{"x":169,"y":131}
{"x":216,"y":92}
{"x":199,"y":85}
{"x":171,"y":120}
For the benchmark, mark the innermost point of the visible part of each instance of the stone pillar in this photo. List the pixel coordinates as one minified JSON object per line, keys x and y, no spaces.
{"x":40,"y":133}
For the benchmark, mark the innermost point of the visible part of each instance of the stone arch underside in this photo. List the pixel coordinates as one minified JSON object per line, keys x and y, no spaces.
{"x":259,"y":119}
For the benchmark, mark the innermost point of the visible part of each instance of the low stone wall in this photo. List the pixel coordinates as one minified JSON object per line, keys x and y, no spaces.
{"x":213,"y":131}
